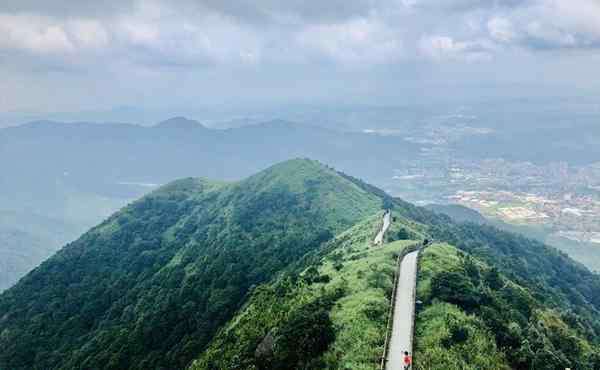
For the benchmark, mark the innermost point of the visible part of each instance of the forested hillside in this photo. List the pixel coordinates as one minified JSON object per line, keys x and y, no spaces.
{"x":149,"y":287}
{"x":474,"y":317}
{"x":329,"y":311}
{"x":551,"y":275}
{"x":277,"y":269}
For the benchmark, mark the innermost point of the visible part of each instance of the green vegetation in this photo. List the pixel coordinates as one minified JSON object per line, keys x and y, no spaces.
{"x":348,"y":280}
{"x":277,"y":271}
{"x":449,"y":338}
{"x":458,"y":213}
{"x":552,"y":277}
{"x":149,"y":287}
{"x":476,"y":318}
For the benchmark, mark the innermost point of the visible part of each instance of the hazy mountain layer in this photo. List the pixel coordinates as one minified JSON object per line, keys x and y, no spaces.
{"x":80,"y":173}
{"x":26,"y":240}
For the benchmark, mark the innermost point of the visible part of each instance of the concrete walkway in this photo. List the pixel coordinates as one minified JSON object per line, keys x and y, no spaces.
{"x":387,"y":220}
{"x":404,"y":309}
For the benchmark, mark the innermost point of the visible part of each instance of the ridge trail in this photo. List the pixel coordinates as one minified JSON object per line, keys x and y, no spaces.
{"x":401,"y":338}
{"x":387,"y":220}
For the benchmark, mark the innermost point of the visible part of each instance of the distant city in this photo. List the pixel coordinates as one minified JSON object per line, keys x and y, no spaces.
{"x":557,"y":196}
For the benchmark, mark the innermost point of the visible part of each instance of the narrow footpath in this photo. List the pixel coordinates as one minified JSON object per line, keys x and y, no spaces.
{"x":404,"y":309}
{"x":387,"y":220}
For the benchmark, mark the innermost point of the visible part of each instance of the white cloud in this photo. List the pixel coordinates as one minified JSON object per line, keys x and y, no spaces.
{"x":88,"y":33}
{"x":178,"y":39}
{"x":354,"y":42}
{"x":549,"y":36}
{"x":131,"y":39}
{"x":33,"y":33}
{"x":442,"y":48}
{"x":501,"y":29}
{"x":549,"y":24}
{"x":45,"y":35}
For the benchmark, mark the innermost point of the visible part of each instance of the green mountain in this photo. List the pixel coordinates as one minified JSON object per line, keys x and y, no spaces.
{"x":327,"y":312}
{"x":277,"y":271}
{"x":458,"y":213}
{"x":149,"y":287}
{"x":474,"y":317}
{"x":330,"y":310}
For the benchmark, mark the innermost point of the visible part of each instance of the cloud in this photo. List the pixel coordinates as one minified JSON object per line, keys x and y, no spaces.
{"x":160,"y":37}
{"x":501,"y":29}
{"x":442,"y":48}
{"x":350,"y":32}
{"x":463,"y":5}
{"x":550,"y":24}
{"x":67,"y":8}
{"x":128,"y":39}
{"x":33,"y":33}
{"x":89,"y":34}
{"x":352,"y":43}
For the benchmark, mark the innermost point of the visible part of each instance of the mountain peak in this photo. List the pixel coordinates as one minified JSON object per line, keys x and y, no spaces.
{"x":191,"y":234}
{"x":180,"y":123}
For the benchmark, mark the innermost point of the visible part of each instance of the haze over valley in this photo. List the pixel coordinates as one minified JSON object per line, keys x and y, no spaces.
{"x":300,"y":185}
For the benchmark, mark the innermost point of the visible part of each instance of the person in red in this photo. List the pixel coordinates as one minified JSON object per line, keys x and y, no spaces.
{"x":407,"y":360}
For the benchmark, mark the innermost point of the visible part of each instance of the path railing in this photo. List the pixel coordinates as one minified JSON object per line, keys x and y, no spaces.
{"x":390,"y":321}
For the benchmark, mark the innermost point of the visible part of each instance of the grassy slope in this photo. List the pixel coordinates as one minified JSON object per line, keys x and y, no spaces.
{"x":357,"y":276}
{"x":505,"y":327}
{"x":433,"y":325}
{"x":551,"y":276}
{"x":149,"y":287}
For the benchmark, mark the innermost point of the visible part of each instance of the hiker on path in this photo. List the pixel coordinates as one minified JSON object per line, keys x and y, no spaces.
{"x":407,"y":360}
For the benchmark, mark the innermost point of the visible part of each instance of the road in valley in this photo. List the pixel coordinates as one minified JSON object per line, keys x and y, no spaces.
{"x":387,"y":220}
{"x":404,"y":309}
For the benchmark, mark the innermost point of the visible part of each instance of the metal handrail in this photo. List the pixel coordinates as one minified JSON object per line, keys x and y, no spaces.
{"x":388,"y":331}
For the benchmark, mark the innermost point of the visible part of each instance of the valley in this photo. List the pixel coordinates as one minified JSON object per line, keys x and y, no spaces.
{"x":300,"y":185}
{"x":556,"y":203}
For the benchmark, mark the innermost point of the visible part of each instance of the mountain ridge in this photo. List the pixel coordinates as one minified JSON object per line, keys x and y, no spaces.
{"x":214,"y":241}
{"x":154,"y":284}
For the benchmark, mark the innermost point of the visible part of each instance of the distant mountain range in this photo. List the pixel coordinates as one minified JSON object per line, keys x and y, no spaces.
{"x":79,"y":173}
{"x":26,"y":240}
{"x":97,"y":157}
{"x":277,"y":271}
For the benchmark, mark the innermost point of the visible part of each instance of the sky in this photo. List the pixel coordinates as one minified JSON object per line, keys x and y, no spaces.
{"x":64,"y":55}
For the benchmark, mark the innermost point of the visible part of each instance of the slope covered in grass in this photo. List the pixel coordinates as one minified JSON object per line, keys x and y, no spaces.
{"x":348,"y":282}
{"x":149,"y":287}
{"x":473,"y":317}
{"x":263,"y":273}
{"x":551,"y":276}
